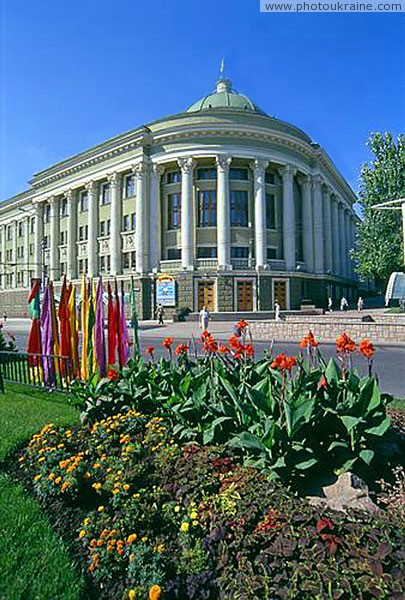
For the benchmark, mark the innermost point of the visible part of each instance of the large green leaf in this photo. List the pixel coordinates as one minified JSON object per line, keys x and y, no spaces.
{"x":367,"y":456}
{"x":211,"y":434}
{"x":350,"y":422}
{"x":332,"y":372}
{"x":246,"y":441}
{"x":380,"y":429}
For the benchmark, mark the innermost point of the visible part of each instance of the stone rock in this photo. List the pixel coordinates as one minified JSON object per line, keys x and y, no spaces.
{"x":349,"y":491}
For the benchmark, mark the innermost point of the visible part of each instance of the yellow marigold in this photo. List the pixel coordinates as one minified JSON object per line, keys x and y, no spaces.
{"x":96,"y":466}
{"x":86,"y":521}
{"x":41,"y":459}
{"x":195,"y":523}
{"x":115,"y":491}
{"x":51,"y":476}
{"x":21,"y":458}
{"x":131,"y":595}
{"x":97,"y":486}
{"x":194,"y":515}
{"x":126,"y":486}
{"x":184,"y":526}
{"x":64,"y":486}
{"x":82,"y":533}
{"x":131,"y":538}
{"x":155,"y":592}
{"x":177,"y":509}
{"x":37,"y":477}
{"x":104,"y":533}
{"x":58,"y":480}
{"x":100,"y":508}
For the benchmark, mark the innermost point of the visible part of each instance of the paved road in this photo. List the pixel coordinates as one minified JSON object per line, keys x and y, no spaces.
{"x":389,"y":361}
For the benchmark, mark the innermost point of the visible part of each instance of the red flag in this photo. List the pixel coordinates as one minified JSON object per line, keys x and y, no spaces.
{"x":117,"y":314}
{"x":34,"y":338}
{"x":112,"y":329}
{"x":64,"y":324}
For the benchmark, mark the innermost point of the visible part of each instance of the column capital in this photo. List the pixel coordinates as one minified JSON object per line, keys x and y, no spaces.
{"x":70,"y":195}
{"x":317,"y":180}
{"x":287,"y":171}
{"x":113,"y":179}
{"x":140,"y":168}
{"x":304,"y":179}
{"x":52,"y":200}
{"x":260,"y":165}
{"x":90,"y":186}
{"x":186,"y":164}
{"x":223,"y":162}
{"x":158,"y":169}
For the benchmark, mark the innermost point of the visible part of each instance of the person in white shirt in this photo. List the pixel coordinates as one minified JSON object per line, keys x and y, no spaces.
{"x":204,"y":318}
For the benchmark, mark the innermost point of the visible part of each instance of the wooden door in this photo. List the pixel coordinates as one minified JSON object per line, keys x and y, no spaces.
{"x":206,"y":295}
{"x":280,"y":294}
{"x":245,"y":296}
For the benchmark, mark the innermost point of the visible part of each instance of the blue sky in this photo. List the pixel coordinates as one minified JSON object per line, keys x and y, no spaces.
{"x":74,"y":74}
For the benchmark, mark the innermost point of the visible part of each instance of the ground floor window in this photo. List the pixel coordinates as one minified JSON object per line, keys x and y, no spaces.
{"x":239,"y":252}
{"x":207,"y":252}
{"x":174,"y":254}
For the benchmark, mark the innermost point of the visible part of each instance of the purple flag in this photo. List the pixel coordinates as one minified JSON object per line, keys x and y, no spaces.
{"x":123,"y":327}
{"x":99,"y":336}
{"x":47,"y":338}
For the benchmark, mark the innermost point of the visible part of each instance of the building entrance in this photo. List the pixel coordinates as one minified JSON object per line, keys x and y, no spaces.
{"x":280,"y":294}
{"x":245,"y":296}
{"x":206,"y":295}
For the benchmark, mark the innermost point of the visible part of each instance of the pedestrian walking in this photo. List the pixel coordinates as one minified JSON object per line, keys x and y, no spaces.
{"x":330,"y":304}
{"x":277,"y":311}
{"x":360,"y":304}
{"x":4,"y":318}
{"x":204,"y":318}
{"x":343,"y":304}
{"x":160,"y":313}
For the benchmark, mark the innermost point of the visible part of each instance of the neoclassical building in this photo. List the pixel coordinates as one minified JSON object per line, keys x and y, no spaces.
{"x":239,"y":208}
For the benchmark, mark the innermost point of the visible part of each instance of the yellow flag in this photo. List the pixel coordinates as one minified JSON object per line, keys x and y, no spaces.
{"x":84,"y":319}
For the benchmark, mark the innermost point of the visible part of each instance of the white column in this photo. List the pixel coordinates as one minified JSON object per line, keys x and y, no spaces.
{"x":72,"y":234}
{"x":287,"y":174}
{"x":318,"y":225}
{"x":336,"y":237}
{"x":307,"y":222}
{"x":27,"y":259}
{"x":3,"y":266}
{"x":349,"y":246}
{"x":92,"y":242}
{"x":342,"y":235}
{"x":155,"y":216}
{"x":223,"y":212}
{"x":327,"y":214}
{"x":38,"y":240}
{"x":187,"y":213}
{"x":15,"y":261}
{"x":259,"y":172}
{"x":115,"y":224}
{"x":141,"y":233}
{"x":54,"y":241}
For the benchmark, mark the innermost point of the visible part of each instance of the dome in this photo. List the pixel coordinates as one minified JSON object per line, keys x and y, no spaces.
{"x":225,"y":97}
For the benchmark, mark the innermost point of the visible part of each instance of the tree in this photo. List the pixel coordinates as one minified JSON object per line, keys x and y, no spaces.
{"x":379,"y":246}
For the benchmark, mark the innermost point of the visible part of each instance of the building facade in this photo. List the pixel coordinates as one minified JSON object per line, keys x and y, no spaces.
{"x":239,"y":208}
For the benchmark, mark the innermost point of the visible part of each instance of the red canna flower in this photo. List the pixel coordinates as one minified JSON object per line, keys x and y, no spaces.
{"x":309,"y":340}
{"x":167,"y":342}
{"x":112,"y":374}
{"x":322,"y":382}
{"x":150,"y":350}
{"x":324,"y":524}
{"x":223,"y":349}
{"x":367,"y":348}
{"x":209,"y":344}
{"x":181,"y":350}
{"x":344,"y":344}
{"x":235,"y":344}
{"x":205,"y":334}
{"x":282,"y":362}
{"x":242,"y":324}
{"x":249,"y":350}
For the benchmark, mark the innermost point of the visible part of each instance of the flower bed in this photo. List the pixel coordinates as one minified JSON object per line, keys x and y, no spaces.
{"x":175,"y":474}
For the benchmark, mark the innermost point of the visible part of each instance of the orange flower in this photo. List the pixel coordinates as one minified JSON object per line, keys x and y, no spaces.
{"x":155,"y":592}
{"x":309,"y":340}
{"x":242,"y":324}
{"x":167,"y":342}
{"x":235,"y":344}
{"x":150,"y":350}
{"x":322,"y":382}
{"x":345,"y":344}
{"x":366,"y":348}
{"x":223,"y":349}
{"x":249,"y":350}
{"x":112,"y":374}
{"x":209,"y":344}
{"x":181,"y":350}
{"x":282,"y":362}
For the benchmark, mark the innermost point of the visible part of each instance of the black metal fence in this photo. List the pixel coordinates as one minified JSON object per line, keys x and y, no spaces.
{"x":36,"y":369}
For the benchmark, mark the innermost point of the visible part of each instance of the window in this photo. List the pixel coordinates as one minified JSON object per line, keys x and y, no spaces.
{"x":270,"y":211}
{"x":20,"y":277}
{"x":20,"y":252}
{"x":129,"y":259}
{"x":104,"y":263}
{"x":105,"y":197}
{"x":271,"y":253}
{"x":174,"y":211}
{"x":63,"y":208}
{"x":63,"y":268}
{"x":239,"y":252}
{"x":207,"y":209}
{"x":126,"y":261}
{"x":102,"y":228}
{"x":45,"y":242}
{"x":133,"y":221}
{"x":83,"y":232}
{"x":206,"y":252}
{"x":270,"y":178}
{"x":239,"y":208}
{"x":32,"y":225}
{"x":84,"y":201}
{"x":20,"y":229}
{"x":83,"y":265}
{"x":174,"y":254}
{"x":129,"y":186}
{"x":31,"y":248}
{"x":9,"y":232}
{"x":207,"y":173}
{"x":239,"y":174}
{"x":173,"y":177}
{"x":105,"y":227}
{"x":129,"y":222}
{"x":63,"y":238}
{"x":9,"y":255}
{"x":47,"y":213}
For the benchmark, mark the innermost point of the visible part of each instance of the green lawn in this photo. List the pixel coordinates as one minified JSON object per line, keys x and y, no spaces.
{"x":34,"y":562}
